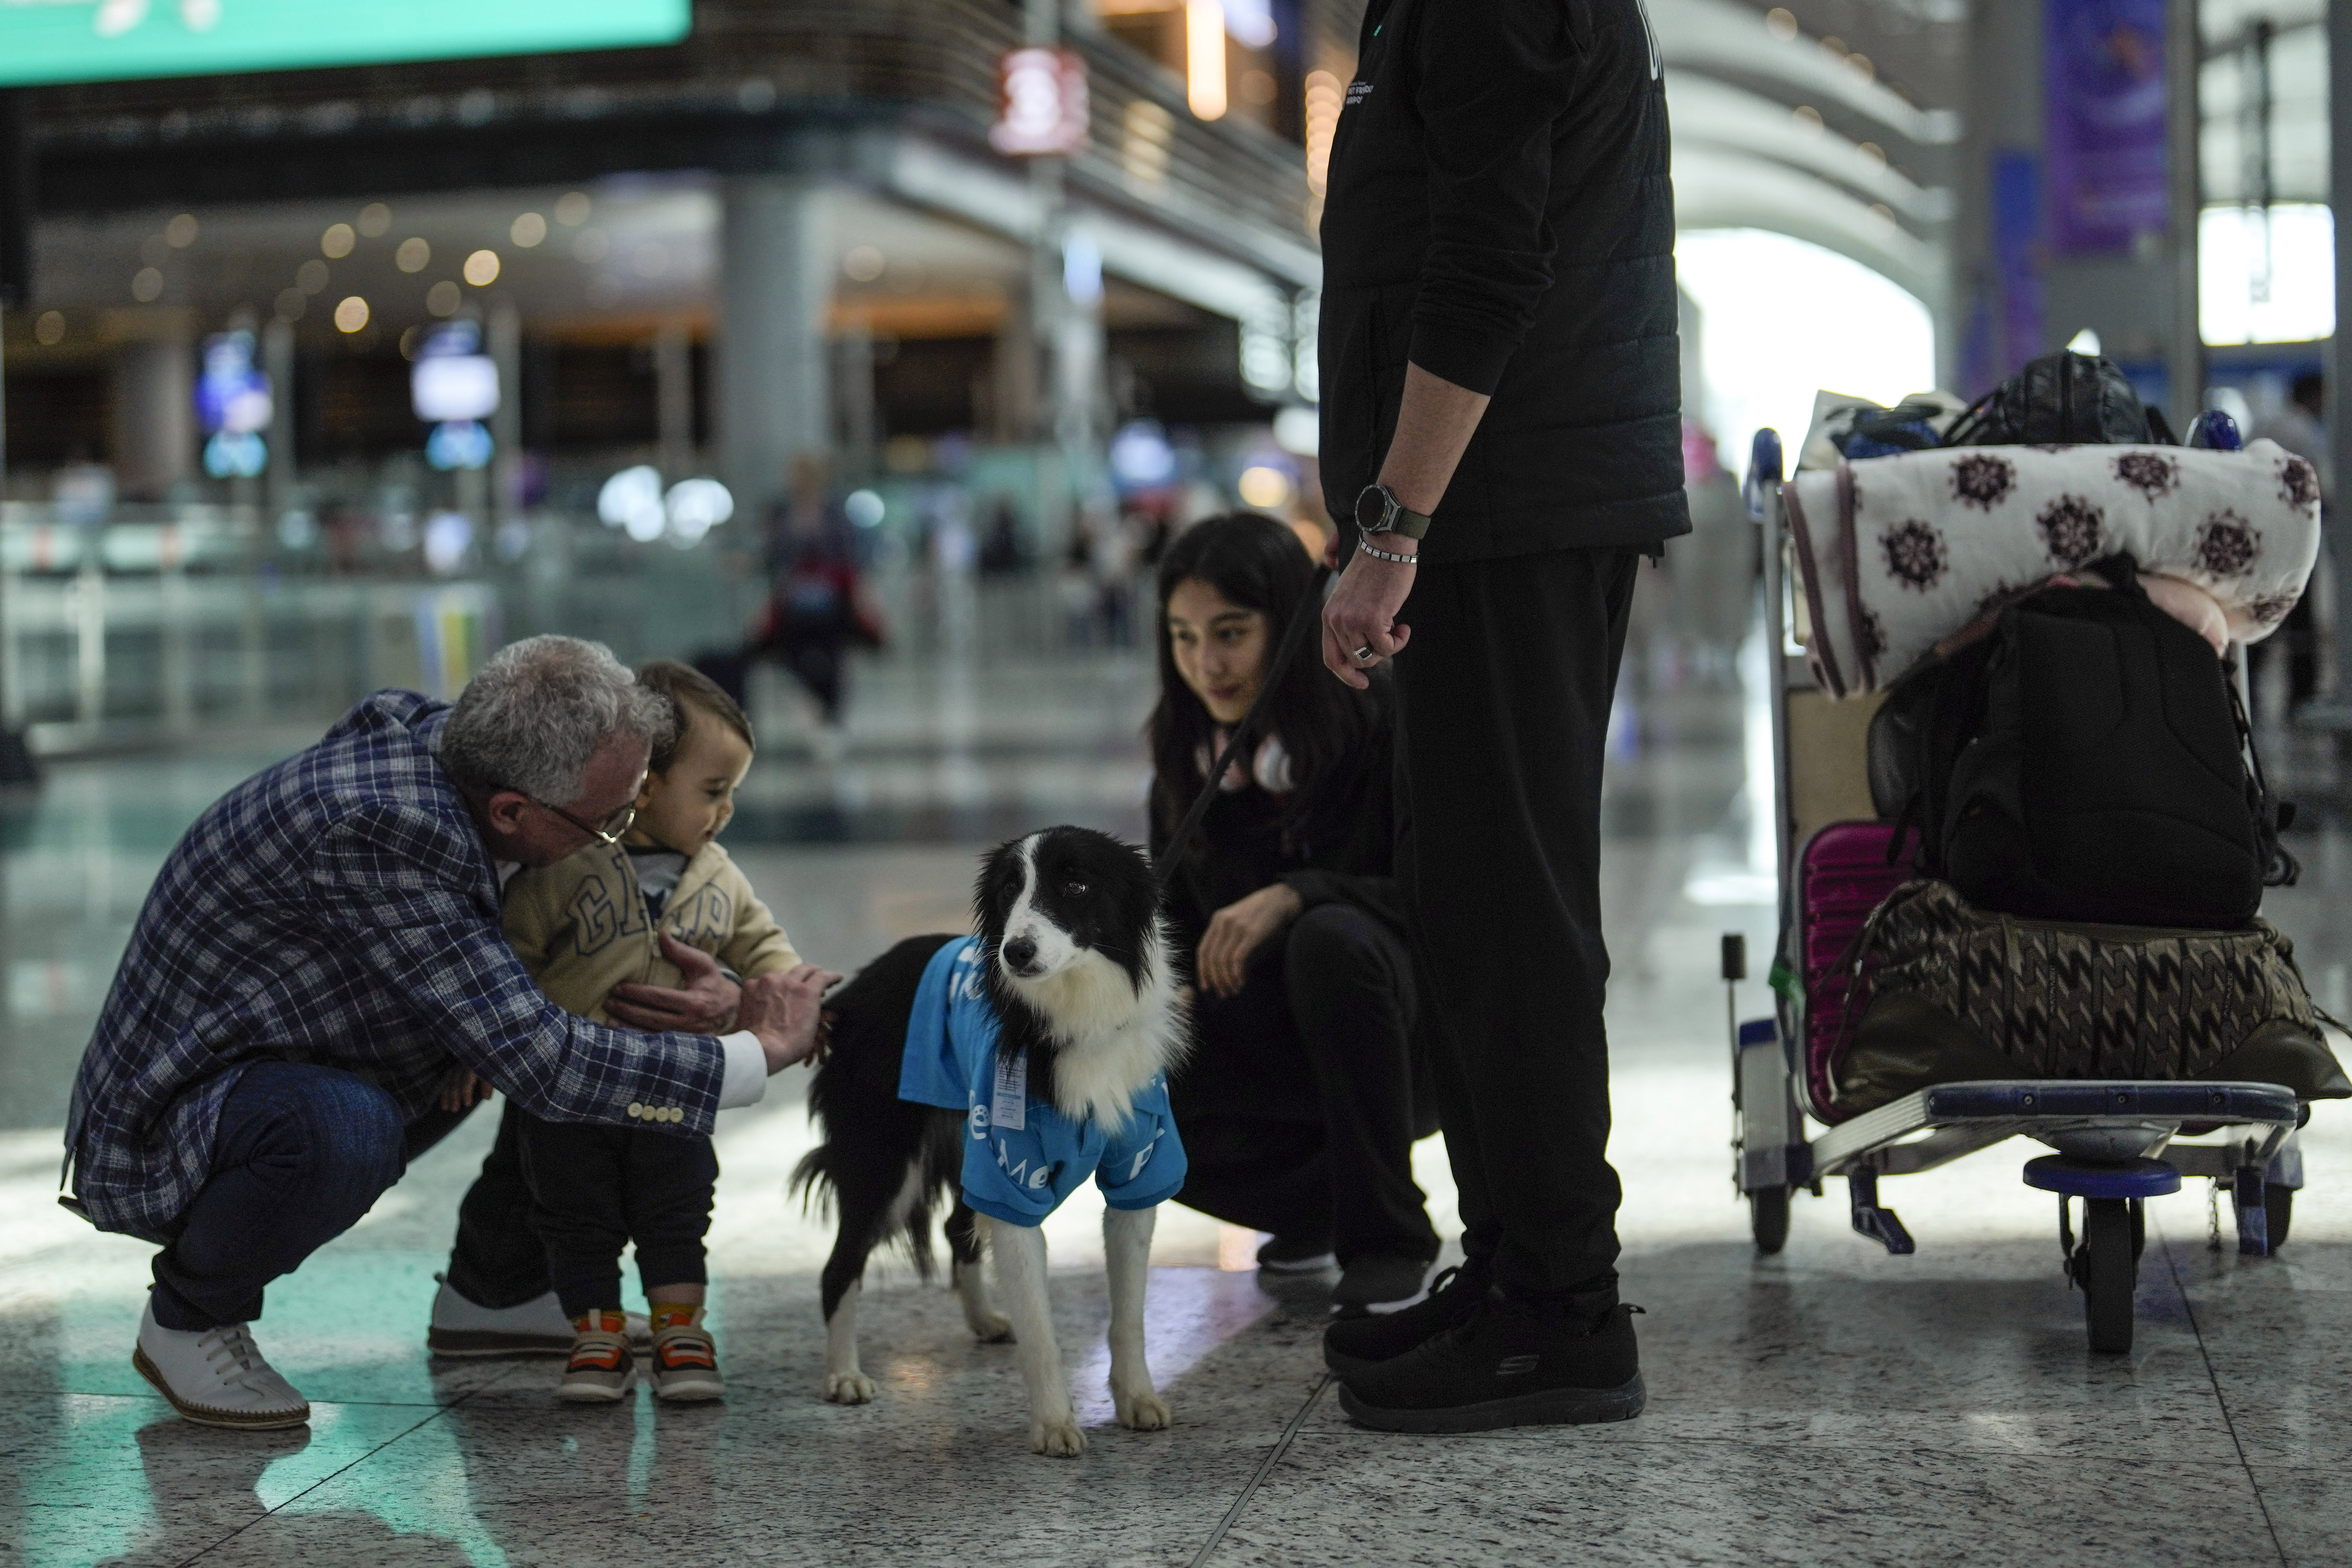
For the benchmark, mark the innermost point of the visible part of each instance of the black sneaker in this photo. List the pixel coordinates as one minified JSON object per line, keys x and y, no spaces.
{"x":1511,"y":1362}
{"x":1380,"y":1283}
{"x":1297,"y":1255}
{"x":1352,"y":1345}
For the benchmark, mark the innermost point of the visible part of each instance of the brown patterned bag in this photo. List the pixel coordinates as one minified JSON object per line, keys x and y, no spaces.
{"x":1960,"y":993}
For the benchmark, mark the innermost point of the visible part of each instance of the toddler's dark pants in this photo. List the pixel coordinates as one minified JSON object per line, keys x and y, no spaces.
{"x":595,"y":1189}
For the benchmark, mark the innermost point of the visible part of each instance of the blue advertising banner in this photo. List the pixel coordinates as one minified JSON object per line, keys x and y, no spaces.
{"x":108,"y":40}
{"x":2018,"y":248}
{"x":2104,"y":72}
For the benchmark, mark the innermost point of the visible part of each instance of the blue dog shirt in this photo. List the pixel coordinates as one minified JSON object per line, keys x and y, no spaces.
{"x":1022,"y":1157}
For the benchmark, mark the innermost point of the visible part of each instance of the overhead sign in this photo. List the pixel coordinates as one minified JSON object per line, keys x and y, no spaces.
{"x":107,"y":40}
{"x":1041,"y":102}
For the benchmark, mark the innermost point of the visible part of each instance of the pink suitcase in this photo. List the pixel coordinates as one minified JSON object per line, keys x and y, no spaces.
{"x":1843,"y":875}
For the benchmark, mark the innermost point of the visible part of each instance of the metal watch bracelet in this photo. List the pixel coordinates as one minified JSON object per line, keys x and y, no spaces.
{"x":1364,"y":543}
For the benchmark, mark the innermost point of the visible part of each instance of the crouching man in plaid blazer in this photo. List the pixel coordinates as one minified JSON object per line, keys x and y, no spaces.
{"x":315,"y":958}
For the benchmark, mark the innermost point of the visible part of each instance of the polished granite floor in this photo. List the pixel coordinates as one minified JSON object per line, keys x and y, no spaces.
{"x":1832,"y":1405}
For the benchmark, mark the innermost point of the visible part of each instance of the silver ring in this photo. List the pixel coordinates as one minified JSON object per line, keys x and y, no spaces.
{"x":1364,"y":655}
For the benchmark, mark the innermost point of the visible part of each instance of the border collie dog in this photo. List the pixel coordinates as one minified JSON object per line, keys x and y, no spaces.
{"x":1004,"y":1069}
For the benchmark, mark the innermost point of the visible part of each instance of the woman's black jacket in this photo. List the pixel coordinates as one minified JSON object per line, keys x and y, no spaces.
{"x":1340,"y":847}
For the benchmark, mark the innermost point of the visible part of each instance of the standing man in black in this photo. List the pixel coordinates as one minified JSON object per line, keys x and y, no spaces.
{"x":1502,"y":420}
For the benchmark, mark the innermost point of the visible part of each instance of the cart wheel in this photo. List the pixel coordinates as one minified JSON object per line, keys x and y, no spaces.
{"x":1768,"y":1216}
{"x":2109,"y":1273}
{"x":2278,"y":1213}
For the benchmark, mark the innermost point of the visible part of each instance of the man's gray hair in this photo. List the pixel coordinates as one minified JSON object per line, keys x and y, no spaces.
{"x":536,"y":713}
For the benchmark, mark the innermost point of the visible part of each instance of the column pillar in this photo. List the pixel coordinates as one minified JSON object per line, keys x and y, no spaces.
{"x":154,"y":436}
{"x":2185,"y":124}
{"x":2339,"y":347}
{"x":674,"y":399}
{"x":505,"y":341}
{"x":278,"y":364}
{"x":860,"y":424}
{"x":775,"y":289}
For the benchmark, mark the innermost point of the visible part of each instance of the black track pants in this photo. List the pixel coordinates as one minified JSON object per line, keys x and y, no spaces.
{"x":1503,"y":714}
{"x":1297,"y":1110}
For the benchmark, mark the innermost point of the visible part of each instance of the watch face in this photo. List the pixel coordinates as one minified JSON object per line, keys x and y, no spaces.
{"x":1372,"y":509}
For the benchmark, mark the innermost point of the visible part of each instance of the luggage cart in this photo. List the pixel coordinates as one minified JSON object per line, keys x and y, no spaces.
{"x":2116,"y":1144}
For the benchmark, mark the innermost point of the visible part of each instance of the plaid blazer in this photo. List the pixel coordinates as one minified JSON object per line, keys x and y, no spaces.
{"x":338,"y":908}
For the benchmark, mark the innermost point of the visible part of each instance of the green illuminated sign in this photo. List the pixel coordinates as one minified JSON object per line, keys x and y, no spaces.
{"x":107,"y":40}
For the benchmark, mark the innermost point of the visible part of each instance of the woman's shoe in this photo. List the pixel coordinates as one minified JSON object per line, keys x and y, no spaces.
{"x":461,"y":1329}
{"x":1297,"y":1255}
{"x":1379,"y":1283}
{"x":1352,"y":1344}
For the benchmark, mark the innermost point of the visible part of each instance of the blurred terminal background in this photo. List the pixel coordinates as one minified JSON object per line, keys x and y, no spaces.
{"x":342,"y":343}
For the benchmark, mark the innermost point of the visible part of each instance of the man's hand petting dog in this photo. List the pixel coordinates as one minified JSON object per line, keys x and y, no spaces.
{"x":705,"y":1004}
{"x":1238,"y":930}
{"x":784,"y":1011}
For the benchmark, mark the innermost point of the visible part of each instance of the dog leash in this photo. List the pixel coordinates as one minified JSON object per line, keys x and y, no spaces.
{"x":1294,"y":637}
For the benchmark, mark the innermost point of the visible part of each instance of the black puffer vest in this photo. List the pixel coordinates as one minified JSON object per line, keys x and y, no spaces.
{"x":1582,"y":444}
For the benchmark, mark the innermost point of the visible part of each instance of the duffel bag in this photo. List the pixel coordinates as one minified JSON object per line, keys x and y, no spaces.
{"x":1962,"y":994}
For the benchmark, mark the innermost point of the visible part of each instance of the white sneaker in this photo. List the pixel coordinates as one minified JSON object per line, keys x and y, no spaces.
{"x":216,"y":1378}
{"x":461,"y":1330}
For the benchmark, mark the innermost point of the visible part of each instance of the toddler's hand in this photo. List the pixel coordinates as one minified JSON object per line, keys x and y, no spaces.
{"x":462,"y":1088}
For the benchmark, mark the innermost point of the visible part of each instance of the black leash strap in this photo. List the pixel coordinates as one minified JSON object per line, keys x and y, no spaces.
{"x":1294,"y":637}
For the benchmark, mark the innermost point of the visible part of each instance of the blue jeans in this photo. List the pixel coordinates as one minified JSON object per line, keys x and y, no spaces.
{"x":301,"y":1153}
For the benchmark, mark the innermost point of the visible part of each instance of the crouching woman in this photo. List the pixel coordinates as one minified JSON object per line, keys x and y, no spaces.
{"x":1297,"y":1104}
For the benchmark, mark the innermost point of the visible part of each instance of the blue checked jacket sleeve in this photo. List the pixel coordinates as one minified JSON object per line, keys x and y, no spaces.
{"x":379,"y":881}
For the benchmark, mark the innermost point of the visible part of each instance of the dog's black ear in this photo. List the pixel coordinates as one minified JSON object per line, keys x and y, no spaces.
{"x":998,"y":885}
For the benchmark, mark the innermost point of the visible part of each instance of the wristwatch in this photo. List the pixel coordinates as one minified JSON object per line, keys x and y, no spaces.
{"x":1378,"y":511}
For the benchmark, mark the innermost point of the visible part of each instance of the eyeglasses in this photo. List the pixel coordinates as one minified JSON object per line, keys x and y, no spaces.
{"x":609,"y":832}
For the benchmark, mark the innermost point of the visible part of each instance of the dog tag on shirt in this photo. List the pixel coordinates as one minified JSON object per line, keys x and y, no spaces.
{"x":1010,"y":1106}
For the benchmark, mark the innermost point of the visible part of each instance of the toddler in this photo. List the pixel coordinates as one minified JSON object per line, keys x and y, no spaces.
{"x":582,"y":926}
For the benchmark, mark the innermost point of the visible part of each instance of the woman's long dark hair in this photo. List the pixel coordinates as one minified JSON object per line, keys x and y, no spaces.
{"x":1259,"y":564}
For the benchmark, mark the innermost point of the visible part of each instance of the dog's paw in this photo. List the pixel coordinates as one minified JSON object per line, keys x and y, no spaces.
{"x":1058,"y":1438}
{"x":1143,"y":1411}
{"x":848,"y":1388}
{"x":993,"y":1329}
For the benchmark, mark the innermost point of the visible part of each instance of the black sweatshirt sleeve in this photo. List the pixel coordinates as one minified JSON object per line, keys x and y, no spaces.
{"x":1495,"y":76}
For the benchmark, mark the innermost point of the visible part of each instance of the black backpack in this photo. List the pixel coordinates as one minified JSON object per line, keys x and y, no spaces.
{"x":2059,"y":399}
{"x":2085,"y":760}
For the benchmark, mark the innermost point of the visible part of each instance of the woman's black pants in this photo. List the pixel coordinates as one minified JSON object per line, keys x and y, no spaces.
{"x":1297,"y":1108}
{"x":1503,"y":719}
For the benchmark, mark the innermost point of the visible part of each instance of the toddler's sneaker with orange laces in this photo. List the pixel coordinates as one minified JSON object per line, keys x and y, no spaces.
{"x":602,"y":1369}
{"x":684,"y":1361}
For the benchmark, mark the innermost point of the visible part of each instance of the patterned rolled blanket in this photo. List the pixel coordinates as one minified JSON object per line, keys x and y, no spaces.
{"x":1896,"y":554}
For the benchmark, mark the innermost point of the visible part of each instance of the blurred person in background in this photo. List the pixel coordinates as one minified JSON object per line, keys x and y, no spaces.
{"x":815,"y":610}
{"x":1002,"y":553}
{"x":2298,"y":424}
{"x":1501,"y":420}
{"x":1297,"y":1102}
{"x":318,"y":955}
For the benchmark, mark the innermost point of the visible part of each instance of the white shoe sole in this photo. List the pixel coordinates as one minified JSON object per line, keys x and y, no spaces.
{"x":205,"y":1415}
{"x":1322,"y":1263}
{"x":679,"y":1392}
{"x":594,"y":1393}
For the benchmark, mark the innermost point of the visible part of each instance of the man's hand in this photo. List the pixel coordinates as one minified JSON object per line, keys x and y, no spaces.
{"x":1361,"y":613}
{"x":705,"y":1005}
{"x":463,"y":1088}
{"x":784,"y":1011}
{"x":1238,"y":930}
